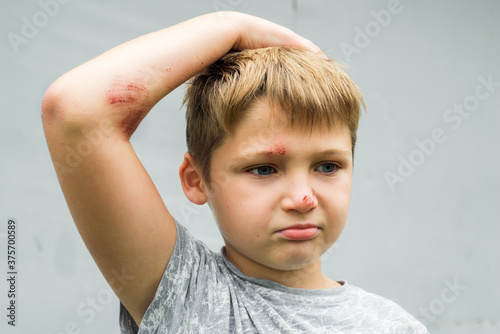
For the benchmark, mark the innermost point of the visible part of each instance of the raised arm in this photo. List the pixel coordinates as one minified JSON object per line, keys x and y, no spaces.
{"x":89,"y":115}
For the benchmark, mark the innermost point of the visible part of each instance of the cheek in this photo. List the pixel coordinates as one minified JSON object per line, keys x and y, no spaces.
{"x":337,"y":202}
{"x":337,"y":213}
{"x":245,"y":209}
{"x":259,"y":204}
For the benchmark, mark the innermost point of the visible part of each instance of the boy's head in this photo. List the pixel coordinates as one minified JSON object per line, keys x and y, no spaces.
{"x":270,"y":136}
{"x":314,"y":93}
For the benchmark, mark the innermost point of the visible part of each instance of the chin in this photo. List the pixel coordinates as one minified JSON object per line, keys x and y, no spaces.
{"x":296,"y":259}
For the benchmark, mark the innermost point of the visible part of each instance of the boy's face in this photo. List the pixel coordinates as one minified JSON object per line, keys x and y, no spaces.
{"x":267,"y":178}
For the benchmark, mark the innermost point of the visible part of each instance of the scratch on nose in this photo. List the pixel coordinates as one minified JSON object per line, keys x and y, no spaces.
{"x":307,"y":200}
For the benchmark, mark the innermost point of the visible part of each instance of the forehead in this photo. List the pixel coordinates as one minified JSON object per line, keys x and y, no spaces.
{"x":266,"y":120}
{"x":266,"y":132}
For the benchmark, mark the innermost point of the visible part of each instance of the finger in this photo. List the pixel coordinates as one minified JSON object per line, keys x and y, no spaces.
{"x":314,"y":48}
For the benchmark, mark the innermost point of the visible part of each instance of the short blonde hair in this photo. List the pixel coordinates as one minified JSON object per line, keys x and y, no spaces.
{"x":313,"y":92}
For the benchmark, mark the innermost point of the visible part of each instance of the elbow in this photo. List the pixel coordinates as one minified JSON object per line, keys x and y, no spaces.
{"x":59,"y":112}
{"x":60,"y":106}
{"x":65,"y":113}
{"x":53,"y":103}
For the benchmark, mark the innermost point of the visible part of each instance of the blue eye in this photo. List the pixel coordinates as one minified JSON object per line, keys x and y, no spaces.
{"x":262,"y":170}
{"x":327,"y":168}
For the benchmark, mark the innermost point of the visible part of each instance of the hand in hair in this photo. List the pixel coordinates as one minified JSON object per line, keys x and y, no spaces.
{"x":257,"y":33}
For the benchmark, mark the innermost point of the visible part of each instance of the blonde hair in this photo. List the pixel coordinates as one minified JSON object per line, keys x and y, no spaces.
{"x":312,"y":91}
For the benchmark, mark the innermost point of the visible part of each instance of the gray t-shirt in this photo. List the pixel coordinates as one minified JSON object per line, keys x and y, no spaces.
{"x":203,"y":292}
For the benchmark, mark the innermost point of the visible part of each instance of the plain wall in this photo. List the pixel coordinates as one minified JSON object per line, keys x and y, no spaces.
{"x":428,"y":239}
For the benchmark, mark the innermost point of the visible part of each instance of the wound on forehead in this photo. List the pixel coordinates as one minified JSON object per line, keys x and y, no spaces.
{"x":129,"y":97}
{"x":276,"y":149}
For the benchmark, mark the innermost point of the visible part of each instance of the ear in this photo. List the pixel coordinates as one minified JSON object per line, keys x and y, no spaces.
{"x":191,"y":180}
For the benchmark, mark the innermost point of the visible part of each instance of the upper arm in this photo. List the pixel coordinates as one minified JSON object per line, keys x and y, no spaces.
{"x":114,"y":203}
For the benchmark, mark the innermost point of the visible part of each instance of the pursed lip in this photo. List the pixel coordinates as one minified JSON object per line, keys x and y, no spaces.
{"x":299,"y":226}
{"x":299,"y":232}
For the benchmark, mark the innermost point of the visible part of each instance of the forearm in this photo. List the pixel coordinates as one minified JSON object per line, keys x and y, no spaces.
{"x":124,"y":83}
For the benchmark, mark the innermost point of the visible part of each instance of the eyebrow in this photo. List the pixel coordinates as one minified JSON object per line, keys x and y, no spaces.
{"x":244,"y":158}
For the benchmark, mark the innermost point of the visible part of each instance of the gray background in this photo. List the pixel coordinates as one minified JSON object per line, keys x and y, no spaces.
{"x":410,"y":243}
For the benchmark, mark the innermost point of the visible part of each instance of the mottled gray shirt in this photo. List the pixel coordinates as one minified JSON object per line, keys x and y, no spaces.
{"x":203,"y":292}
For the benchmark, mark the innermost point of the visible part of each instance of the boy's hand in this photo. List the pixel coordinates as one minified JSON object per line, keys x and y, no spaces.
{"x":259,"y":33}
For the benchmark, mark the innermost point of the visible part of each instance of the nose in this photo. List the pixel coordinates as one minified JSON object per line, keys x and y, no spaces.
{"x":300,"y":196}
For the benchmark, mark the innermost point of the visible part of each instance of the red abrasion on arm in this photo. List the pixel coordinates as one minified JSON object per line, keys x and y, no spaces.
{"x":130,"y":99}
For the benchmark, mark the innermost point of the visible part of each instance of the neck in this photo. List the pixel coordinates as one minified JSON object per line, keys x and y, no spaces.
{"x":308,"y":277}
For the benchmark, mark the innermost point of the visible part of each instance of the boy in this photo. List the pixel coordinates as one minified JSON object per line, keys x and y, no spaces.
{"x":270,"y":132}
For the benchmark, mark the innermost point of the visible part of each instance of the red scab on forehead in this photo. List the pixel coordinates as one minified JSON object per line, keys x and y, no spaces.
{"x":276,"y":149}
